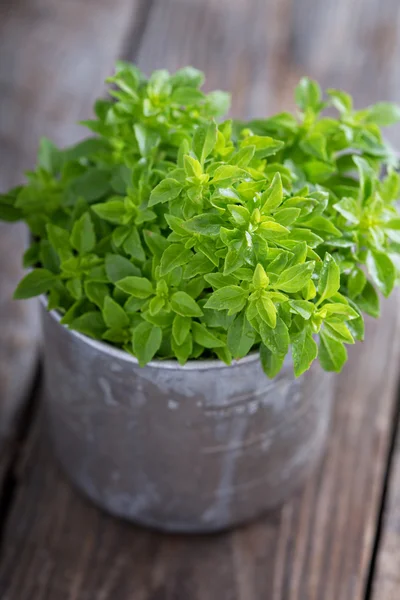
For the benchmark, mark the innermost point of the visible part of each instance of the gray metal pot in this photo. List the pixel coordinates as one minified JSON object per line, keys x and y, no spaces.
{"x":193,"y":449}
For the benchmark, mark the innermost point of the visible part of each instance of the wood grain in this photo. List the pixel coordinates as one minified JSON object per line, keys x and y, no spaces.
{"x":54,"y":57}
{"x":57,"y":545}
{"x":319,"y":545}
{"x":387,"y":578}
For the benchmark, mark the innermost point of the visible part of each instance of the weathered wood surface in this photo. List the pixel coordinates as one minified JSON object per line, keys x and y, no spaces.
{"x":54,"y":57}
{"x":319,"y":545}
{"x":387,"y":578}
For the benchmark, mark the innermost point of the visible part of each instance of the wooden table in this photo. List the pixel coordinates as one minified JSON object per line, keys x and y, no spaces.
{"x":339,"y":538}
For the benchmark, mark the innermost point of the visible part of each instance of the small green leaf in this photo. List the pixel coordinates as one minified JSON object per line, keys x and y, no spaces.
{"x":241,"y":336}
{"x":303,"y":308}
{"x":174,"y":256}
{"x":204,"y":140}
{"x":112,"y":211}
{"x":90,"y":323}
{"x":83,"y":237}
{"x":382,"y":271}
{"x":350,"y":209}
{"x":308,"y":95}
{"x":383,"y":114}
{"x":260,"y":278}
{"x":181,"y":328}
{"x":133,"y":245}
{"x":204,"y":337}
{"x":146,"y":340}
{"x":228,"y":174}
{"x":295,"y":278}
{"x":304,"y":351}
{"x":332,"y":353}
{"x":368,"y":300}
{"x":356,"y":282}
{"x":329,"y":279}
{"x":207,"y":224}
{"x":266,"y":310}
{"x":273,"y":196}
{"x":264,"y":145}
{"x":166,"y":190}
{"x":39,"y":281}
{"x":114,"y":315}
{"x":96,"y":292}
{"x":231,"y":298}
{"x":118,"y":267}
{"x":277,"y":338}
{"x":139,"y":287}
{"x":184,"y":305}
{"x":270,"y":362}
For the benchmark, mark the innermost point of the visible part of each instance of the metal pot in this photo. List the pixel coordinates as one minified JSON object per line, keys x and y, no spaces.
{"x":197,"y":448}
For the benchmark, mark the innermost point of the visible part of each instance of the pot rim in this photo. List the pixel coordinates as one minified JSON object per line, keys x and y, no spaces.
{"x":171,"y":364}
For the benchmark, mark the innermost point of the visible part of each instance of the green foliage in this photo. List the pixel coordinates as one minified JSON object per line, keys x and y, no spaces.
{"x":173,"y":235}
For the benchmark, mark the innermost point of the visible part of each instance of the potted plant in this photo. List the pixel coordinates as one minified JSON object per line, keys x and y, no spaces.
{"x":179,"y":259}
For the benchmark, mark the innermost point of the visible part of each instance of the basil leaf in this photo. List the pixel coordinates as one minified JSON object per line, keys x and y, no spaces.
{"x":241,"y":336}
{"x":304,"y":351}
{"x":114,"y":315}
{"x":382,"y":271}
{"x":35,"y":283}
{"x":332,"y":353}
{"x":329,"y":279}
{"x":295,"y":278}
{"x":184,"y":305}
{"x":146,"y":340}
{"x":139,"y":287}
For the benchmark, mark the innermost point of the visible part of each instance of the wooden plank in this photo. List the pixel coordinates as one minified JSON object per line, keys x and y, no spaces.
{"x":387,"y":578}
{"x":318,"y":545}
{"x":54,"y":57}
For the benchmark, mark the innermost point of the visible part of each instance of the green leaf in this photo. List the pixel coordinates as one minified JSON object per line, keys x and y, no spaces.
{"x":37,"y":282}
{"x":228,"y":174}
{"x":133,"y":245}
{"x":90,"y":323}
{"x":264,"y":145}
{"x":181,"y":328}
{"x":50,"y":157}
{"x":277,"y":338}
{"x":59,"y":239}
{"x":295,"y":278}
{"x":146,"y":340}
{"x":92,"y":185}
{"x":329,"y":279}
{"x":304,"y":351}
{"x":303,"y":308}
{"x":368,"y":301}
{"x":270,"y":362}
{"x":146,"y":138}
{"x":187,"y":95}
{"x":112,"y":211}
{"x":356,"y":282}
{"x":383,"y":114}
{"x":114,"y":315}
{"x":260,"y":278}
{"x":241,"y":336}
{"x":184,"y":350}
{"x":308,"y":95}
{"x":332,"y":353}
{"x":167,"y":190}
{"x":231,"y":298}
{"x":273,"y":196}
{"x":204,"y":337}
{"x":382,"y":271}
{"x":184,"y":305}
{"x":83,"y":237}
{"x":206,"y":224}
{"x":96,"y":292}
{"x":204,"y":140}
{"x":174,"y":256}
{"x":266,"y":310}
{"x":350,"y":209}
{"x":118,"y":267}
{"x":139,"y":287}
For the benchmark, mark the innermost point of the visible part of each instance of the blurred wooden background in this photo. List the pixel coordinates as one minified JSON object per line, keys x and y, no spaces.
{"x":340,"y":538}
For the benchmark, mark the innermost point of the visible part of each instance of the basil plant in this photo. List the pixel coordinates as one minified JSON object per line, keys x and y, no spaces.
{"x":171,"y":233}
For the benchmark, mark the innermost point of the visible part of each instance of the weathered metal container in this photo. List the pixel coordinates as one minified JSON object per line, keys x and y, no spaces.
{"x":197,"y":448}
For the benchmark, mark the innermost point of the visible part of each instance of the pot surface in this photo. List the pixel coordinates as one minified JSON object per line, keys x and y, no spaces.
{"x":193,"y":449}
